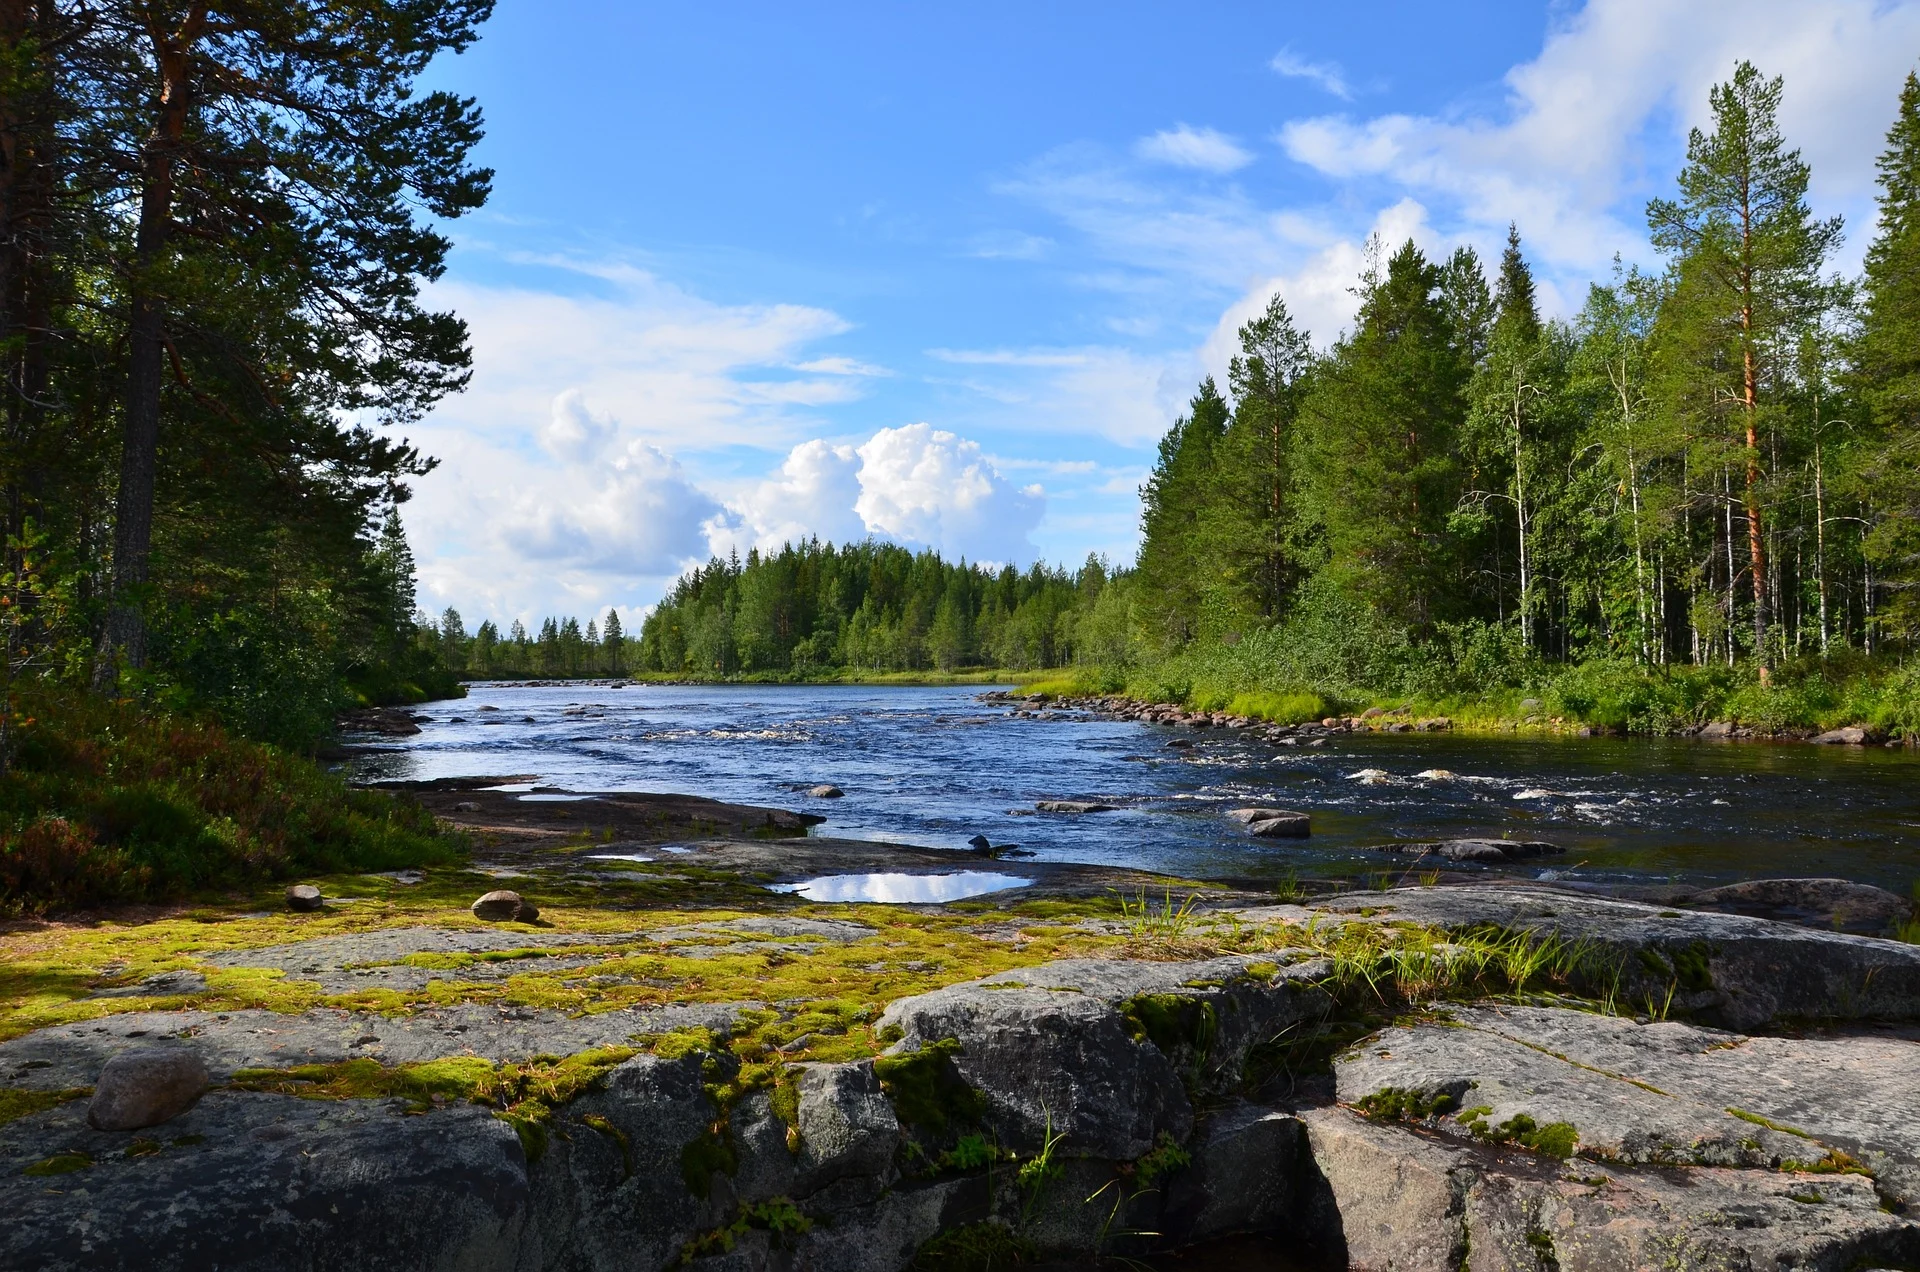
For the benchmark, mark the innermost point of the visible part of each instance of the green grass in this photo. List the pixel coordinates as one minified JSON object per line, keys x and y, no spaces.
{"x":109,"y":803}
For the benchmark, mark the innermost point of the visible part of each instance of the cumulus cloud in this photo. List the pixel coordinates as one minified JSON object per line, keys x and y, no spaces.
{"x":812,"y":493}
{"x":923,"y":485}
{"x":1326,"y":75}
{"x":1202,"y":148}
{"x":915,"y":485}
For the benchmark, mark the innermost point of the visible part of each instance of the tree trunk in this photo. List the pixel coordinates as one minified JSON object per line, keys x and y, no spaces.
{"x":126,"y":635}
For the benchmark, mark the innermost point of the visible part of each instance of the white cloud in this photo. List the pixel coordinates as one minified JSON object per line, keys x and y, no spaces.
{"x":1327,"y":75}
{"x":923,"y":485}
{"x":916,"y":485}
{"x":1595,"y":123}
{"x":1202,"y":148}
{"x":812,"y":493}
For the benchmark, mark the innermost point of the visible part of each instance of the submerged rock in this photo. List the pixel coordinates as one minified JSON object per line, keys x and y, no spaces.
{"x":1073,"y":806}
{"x":145,"y":1087}
{"x":825,"y":791}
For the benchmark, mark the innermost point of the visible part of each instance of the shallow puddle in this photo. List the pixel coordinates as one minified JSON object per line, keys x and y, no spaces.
{"x":902,"y":889}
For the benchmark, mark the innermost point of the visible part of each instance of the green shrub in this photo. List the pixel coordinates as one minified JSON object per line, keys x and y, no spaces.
{"x":108,"y":802}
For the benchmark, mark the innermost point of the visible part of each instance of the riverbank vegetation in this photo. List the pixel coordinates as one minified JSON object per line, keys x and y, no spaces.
{"x":1698,"y":498}
{"x":108,"y":803}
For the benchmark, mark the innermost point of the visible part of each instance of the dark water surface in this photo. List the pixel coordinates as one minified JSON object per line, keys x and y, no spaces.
{"x":934,"y":766}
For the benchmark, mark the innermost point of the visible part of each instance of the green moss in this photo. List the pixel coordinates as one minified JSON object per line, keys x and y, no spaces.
{"x":1164,"y":1159}
{"x":1769,"y":1123}
{"x":706,"y":1155}
{"x":927,"y":1091}
{"x":17,"y":1102}
{"x":60,"y":1164}
{"x":1175,"y":1023}
{"x":1555,"y":1139}
{"x":977,"y":1247}
{"x":1693,"y":967}
{"x":1398,"y":1104}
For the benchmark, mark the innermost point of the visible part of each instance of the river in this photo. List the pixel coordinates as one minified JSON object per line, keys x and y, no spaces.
{"x":935,"y":766}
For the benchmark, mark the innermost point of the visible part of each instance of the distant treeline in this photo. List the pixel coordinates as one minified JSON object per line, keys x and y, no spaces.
{"x":867,"y":606}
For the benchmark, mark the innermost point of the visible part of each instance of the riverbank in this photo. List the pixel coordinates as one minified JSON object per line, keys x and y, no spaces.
{"x":656,"y":1059}
{"x":1802,"y":702}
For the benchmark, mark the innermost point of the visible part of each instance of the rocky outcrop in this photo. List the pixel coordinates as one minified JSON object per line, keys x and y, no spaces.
{"x":1096,"y":1105}
{"x":1721,"y":969}
{"x":1532,"y":1134}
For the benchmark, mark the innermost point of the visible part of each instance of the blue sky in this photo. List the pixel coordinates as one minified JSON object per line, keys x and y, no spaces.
{"x":944,"y":275}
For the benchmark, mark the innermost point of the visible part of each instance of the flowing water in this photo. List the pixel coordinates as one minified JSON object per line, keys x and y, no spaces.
{"x":935,"y":766}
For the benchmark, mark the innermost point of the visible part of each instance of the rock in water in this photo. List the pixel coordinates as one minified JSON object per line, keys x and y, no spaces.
{"x":502,"y":905}
{"x":1072,"y":806}
{"x":304,"y":897}
{"x":145,"y":1087}
{"x":825,"y":791}
{"x":1479,"y":849}
{"x":1852,"y":735}
{"x":1273,"y":823}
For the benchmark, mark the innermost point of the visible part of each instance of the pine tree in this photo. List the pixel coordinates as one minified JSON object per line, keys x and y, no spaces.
{"x":1377,"y":464}
{"x":1173,"y":558}
{"x":1747,"y":254}
{"x":1886,"y":356}
{"x":614,"y":641}
{"x":1250,"y":518}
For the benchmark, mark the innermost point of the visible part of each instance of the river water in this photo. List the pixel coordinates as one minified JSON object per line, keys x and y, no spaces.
{"x":935,"y":766}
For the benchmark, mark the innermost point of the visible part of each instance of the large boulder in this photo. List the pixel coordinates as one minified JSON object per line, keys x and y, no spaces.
{"x":1101,"y":1053}
{"x":145,"y":1086}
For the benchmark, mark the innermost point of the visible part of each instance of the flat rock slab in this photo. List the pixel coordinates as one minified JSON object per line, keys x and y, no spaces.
{"x":1414,"y":1202}
{"x":259,"y":1182}
{"x":1722,"y":969}
{"x":72,"y":1055}
{"x":1073,"y":806}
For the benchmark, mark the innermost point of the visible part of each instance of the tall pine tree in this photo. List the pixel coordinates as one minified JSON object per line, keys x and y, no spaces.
{"x":1747,"y":253}
{"x":1886,"y":358}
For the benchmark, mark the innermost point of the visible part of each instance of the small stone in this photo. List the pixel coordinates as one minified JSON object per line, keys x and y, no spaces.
{"x":145,"y":1087}
{"x":825,"y":791}
{"x":502,"y":905}
{"x":304,"y":897}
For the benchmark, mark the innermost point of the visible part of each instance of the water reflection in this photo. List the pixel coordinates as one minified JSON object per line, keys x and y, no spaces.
{"x":902,"y":889}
